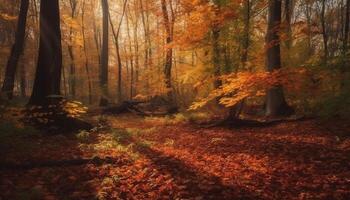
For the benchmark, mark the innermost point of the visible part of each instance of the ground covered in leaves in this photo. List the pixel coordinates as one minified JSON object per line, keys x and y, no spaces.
{"x":164,"y":158}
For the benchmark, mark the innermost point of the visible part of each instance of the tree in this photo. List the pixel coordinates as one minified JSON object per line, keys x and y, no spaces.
{"x":104,"y":56}
{"x":85,"y":51}
{"x":72,"y":79}
{"x":17,"y":50}
{"x":168,"y":21}
{"x":324,"y":31}
{"x":48,"y":73}
{"x":246,"y":32}
{"x":116,"y":34}
{"x":347,"y":26}
{"x":276,"y":104}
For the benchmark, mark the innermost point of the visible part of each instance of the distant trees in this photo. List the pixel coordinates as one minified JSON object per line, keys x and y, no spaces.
{"x":175,"y":49}
{"x":17,"y":50}
{"x":48,"y":72}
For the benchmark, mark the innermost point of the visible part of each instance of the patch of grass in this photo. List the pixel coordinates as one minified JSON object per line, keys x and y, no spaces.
{"x":198,"y":116}
{"x":122,"y":135}
{"x":83,"y":136}
{"x":180,"y":118}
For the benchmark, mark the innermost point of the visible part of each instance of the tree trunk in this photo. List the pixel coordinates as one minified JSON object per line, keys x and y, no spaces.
{"x":347,"y":26}
{"x":246,"y":38}
{"x":216,"y":56}
{"x":85,"y":52}
{"x":276,"y":104}
{"x":131,"y":58}
{"x":117,"y":47}
{"x":17,"y":50}
{"x":324,"y":31}
{"x":288,"y":9}
{"x":48,"y":73}
{"x":168,"y":24}
{"x":72,"y":74}
{"x":104,"y":56}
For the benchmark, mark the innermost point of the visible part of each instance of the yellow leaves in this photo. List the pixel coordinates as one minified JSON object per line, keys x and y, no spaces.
{"x":7,"y":17}
{"x":238,"y":86}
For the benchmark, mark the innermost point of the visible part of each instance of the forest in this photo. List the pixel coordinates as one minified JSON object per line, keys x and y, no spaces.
{"x":174,"y":99}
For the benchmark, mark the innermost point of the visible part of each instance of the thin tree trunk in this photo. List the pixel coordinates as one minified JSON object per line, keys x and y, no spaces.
{"x":246,"y":38}
{"x":347,"y":26}
{"x":324,"y":31}
{"x":117,"y":47}
{"x":72,"y":75}
{"x":131,"y":58}
{"x":23,"y":80}
{"x":17,"y":50}
{"x":309,"y":35}
{"x":216,"y":56}
{"x":85,"y":52}
{"x":104,"y":56}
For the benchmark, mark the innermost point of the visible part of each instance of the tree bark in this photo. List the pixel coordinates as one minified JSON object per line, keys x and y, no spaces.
{"x":48,"y":73}
{"x":246,"y":38}
{"x":324,"y":31}
{"x":276,"y":104}
{"x":347,"y":26}
{"x":168,"y":25}
{"x":116,"y":34}
{"x":17,"y":50}
{"x":104,"y":56}
{"x":216,"y":56}
{"x":72,"y":74}
{"x":85,"y":52}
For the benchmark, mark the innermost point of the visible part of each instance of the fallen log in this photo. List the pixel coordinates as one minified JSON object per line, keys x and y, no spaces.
{"x":123,"y":107}
{"x":241,"y":123}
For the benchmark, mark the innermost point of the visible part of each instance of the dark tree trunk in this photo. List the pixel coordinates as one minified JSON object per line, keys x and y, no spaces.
{"x":288,"y":9}
{"x":72,"y":80}
{"x":276,"y":104}
{"x":246,"y":38}
{"x":347,"y":26}
{"x":17,"y":50}
{"x":324,"y":31}
{"x":85,"y":51}
{"x":48,"y":73}
{"x":216,"y":56}
{"x":104,"y":56}
{"x":23,"y":80}
{"x":169,"y":51}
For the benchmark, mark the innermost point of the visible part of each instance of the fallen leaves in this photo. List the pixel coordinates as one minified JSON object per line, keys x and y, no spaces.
{"x":290,"y":161}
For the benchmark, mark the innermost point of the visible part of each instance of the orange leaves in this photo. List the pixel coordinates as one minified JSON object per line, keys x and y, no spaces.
{"x":238,"y":86}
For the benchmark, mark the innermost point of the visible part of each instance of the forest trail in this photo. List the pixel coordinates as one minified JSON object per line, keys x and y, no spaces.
{"x":161,"y":158}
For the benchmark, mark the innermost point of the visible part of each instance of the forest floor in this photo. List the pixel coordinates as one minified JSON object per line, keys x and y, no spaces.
{"x":159,"y":158}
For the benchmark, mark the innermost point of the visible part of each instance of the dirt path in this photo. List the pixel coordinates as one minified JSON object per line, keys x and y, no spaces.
{"x":161,"y":159}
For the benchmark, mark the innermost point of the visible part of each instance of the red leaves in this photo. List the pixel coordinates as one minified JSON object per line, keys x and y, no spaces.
{"x":289,"y":161}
